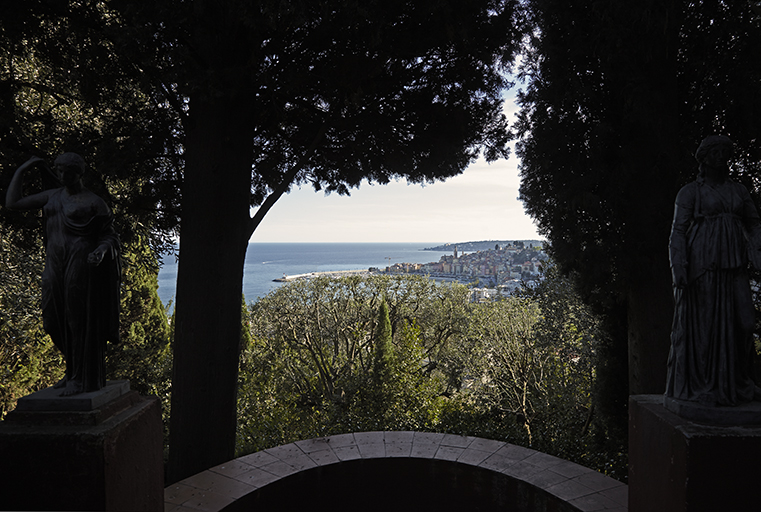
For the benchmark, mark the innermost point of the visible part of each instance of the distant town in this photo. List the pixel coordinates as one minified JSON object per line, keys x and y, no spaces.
{"x":492,"y":268}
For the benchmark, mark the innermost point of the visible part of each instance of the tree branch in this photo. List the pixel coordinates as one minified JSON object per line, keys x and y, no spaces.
{"x":286,"y":182}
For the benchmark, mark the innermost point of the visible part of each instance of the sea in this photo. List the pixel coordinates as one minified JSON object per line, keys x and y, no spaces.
{"x":268,"y":261}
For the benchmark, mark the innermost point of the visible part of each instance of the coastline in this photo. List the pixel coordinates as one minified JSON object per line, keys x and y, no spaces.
{"x":330,"y":273}
{"x":464,"y":280}
{"x":267,"y":262}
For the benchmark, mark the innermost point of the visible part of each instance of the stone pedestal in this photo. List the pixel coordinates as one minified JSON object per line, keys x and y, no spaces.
{"x":94,"y":451}
{"x":677,"y":465}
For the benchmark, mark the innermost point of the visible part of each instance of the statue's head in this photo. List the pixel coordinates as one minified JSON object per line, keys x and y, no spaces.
{"x":70,"y":167}
{"x":713,"y":142}
{"x":714,"y":152}
{"x":71,"y":160}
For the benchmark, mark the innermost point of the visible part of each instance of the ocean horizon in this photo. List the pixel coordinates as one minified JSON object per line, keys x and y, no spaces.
{"x":266,"y":261}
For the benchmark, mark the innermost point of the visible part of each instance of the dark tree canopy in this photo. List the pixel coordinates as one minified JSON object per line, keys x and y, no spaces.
{"x":618,"y":96}
{"x":338,"y":92}
{"x":273,"y":94}
{"x":242,"y":100}
{"x":65,"y":86}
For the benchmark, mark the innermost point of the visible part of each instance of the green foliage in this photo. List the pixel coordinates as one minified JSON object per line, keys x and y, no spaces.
{"x":143,"y":355}
{"x":30,"y":362}
{"x":28,"y":359}
{"x":323,"y":361}
{"x":315,"y":362}
{"x":66,"y":86}
{"x":592,"y":388}
{"x":382,"y":371}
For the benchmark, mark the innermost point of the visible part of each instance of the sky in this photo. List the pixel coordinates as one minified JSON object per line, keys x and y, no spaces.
{"x":479,"y":204}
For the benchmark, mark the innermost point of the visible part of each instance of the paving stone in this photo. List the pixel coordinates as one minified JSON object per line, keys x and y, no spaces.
{"x":219,"y":484}
{"x":232,"y":488}
{"x":231,"y":469}
{"x":300,"y":462}
{"x":341,"y":440}
{"x":542,"y":460}
{"x":208,"y":501}
{"x":324,"y":457}
{"x":569,"y":469}
{"x":258,"y":459}
{"x":179,"y":493}
{"x":279,"y":468}
{"x":368,"y":437}
{"x":202,"y":480}
{"x":398,"y":437}
{"x":514,"y":452}
{"x":497,"y":462}
{"x":313,"y":445}
{"x":542,"y":479}
{"x":486,"y":445}
{"x":619,"y":494}
{"x":398,"y":449}
{"x":569,"y":490}
{"x":473,"y":457}
{"x":593,"y":502}
{"x":257,"y":478}
{"x":285,"y":452}
{"x":372,"y":450}
{"x":523,"y":470}
{"x":597,"y":481}
{"x":448,"y":453}
{"x":458,"y":441}
{"x":428,"y":437}
{"x":292,"y":455}
{"x":423,"y":449}
{"x":347,"y":452}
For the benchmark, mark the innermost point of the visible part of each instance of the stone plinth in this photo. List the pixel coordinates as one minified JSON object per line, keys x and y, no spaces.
{"x":49,"y":399}
{"x":677,"y":465}
{"x":94,"y":451}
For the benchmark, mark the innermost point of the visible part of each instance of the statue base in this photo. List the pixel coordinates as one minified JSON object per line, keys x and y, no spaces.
{"x":679,"y":465}
{"x":101,"y":450}
{"x":745,"y":414}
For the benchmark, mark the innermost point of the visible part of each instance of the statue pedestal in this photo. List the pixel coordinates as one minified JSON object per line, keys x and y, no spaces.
{"x":677,"y":465}
{"x":94,"y":451}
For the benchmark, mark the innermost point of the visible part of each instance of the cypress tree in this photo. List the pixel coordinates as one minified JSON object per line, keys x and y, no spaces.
{"x":383,"y":360}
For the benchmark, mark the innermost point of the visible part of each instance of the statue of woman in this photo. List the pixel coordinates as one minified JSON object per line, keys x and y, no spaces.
{"x":80,"y":282}
{"x":712,"y":335}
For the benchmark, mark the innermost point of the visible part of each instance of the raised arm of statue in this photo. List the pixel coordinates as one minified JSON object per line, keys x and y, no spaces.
{"x":13,"y":199}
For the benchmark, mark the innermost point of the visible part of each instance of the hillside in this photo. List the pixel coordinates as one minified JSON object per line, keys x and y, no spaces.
{"x":482,"y":245}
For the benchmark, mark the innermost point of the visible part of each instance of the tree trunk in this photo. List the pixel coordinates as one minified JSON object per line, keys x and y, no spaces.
{"x":213,"y":241}
{"x":651,"y":156}
{"x":650,"y":310}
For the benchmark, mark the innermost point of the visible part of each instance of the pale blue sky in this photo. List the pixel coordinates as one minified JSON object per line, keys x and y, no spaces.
{"x":480,"y":204}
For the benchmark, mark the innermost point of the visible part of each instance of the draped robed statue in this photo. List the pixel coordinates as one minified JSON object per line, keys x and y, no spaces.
{"x":715,"y":232}
{"x":80,"y":282}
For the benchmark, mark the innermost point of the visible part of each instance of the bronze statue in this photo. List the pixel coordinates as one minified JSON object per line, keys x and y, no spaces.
{"x":715,"y":224}
{"x":80,"y":282}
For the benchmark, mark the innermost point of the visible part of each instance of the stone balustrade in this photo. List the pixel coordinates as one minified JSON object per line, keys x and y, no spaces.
{"x":398,"y":471}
